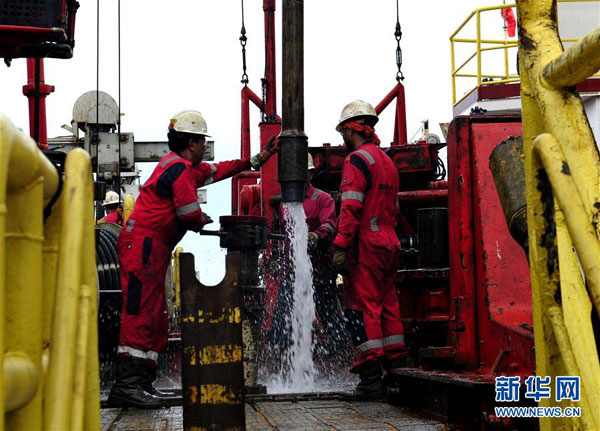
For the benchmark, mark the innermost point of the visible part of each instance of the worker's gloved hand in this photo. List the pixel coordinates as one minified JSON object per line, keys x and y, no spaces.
{"x":261,"y":158}
{"x":206,"y":219}
{"x":313,"y":239}
{"x":339,"y":260}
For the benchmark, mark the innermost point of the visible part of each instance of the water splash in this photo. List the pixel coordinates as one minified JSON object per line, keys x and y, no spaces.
{"x":298,"y":371}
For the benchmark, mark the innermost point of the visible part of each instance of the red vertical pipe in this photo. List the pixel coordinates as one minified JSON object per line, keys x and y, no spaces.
{"x":37,"y":109}
{"x":270,"y":60}
{"x":245,"y":150}
{"x":400,"y":126}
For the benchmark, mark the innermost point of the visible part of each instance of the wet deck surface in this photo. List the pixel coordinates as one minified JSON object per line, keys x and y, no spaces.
{"x":269,"y":415}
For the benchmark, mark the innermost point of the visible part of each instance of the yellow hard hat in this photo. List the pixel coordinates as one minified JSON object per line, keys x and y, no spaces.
{"x":189,"y":122}
{"x":111,"y":198}
{"x":311,"y":164}
{"x":358,"y":109}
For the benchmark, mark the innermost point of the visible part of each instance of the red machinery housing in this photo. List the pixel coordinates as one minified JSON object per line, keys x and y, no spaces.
{"x":37,"y":28}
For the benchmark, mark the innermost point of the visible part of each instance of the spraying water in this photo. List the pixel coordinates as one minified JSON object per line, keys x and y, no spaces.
{"x":298,"y":371}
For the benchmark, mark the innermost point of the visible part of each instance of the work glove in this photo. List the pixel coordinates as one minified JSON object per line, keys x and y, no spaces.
{"x":265,"y":154}
{"x":206,"y":219}
{"x":339,"y":260}
{"x":313,"y":239}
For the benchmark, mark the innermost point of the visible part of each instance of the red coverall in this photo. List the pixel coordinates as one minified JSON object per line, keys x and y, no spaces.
{"x":113,"y":217}
{"x":165,"y":209}
{"x":366,"y":227}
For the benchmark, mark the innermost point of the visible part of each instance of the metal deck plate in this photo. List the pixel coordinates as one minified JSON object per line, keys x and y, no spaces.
{"x":330,"y":415}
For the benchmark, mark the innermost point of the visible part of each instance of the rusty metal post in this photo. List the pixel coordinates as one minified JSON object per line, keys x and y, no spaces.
{"x":508,"y":169}
{"x":212,"y":370}
{"x":293,"y":142}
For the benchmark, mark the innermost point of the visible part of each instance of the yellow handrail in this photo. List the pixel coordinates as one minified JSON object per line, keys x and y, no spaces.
{"x":498,"y":44}
{"x":562,"y":168}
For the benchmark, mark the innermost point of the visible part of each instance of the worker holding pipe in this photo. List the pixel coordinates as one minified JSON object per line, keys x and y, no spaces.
{"x":112,"y":205}
{"x":366,"y":250}
{"x":165,"y":210}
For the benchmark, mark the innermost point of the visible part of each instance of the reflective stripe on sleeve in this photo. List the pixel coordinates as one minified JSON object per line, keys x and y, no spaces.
{"x":367,"y":156}
{"x":368,"y":345}
{"x":329,"y":227}
{"x":136,"y":353}
{"x":186,"y":209}
{"x":315,"y":194}
{"x":374,"y":225}
{"x":213,"y":170}
{"x":169,"y":160}
{"x":393,"y":339}
{"x":130,"y":224}
{"x":353,"y":195}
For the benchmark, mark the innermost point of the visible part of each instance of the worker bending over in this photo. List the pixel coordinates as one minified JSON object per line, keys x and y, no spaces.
{"x":165,"y":210}
{"x":367,"y":250}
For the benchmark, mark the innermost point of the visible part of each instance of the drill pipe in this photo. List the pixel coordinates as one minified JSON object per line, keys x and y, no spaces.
{"x":293,"y":142}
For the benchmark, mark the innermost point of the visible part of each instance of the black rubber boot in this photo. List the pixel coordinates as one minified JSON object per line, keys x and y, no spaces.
{"x":370,"y":386}
{"x":401,"y":362}
{"x":127,"y":390}
{"x":389,"y":366}
{"x":149,"y":377}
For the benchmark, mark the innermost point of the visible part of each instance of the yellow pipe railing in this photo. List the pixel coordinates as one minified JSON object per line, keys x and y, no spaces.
{"x":23,"y":170}
{"x":32,"y":356}
{"x":505,"y":45}
{"x":563,"y":191}
{"x":577,"y":63}
{"x":76,"y":270}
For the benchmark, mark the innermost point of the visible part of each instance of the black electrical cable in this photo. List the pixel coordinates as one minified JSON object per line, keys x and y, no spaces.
{"x":97,"y":82}
{"x":112,"y":246}
{"x":100,"y":271}
{"x":48,"y":207}
{"x":110,"y":254}
{"x":102,"y":265}
{"x":119,"y":86}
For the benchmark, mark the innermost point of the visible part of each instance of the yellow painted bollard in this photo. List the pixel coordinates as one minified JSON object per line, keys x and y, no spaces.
{"x":212,"y":368}
{"x":76,"y":268}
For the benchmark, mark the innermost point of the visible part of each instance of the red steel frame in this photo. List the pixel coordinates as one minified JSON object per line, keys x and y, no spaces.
{"x":400,"y":121}
{"x":489,"y":275}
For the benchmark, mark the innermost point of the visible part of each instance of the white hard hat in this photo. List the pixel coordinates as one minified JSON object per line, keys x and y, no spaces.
{"x":358,"y":109}
{"x":311,"y":164}
{"x":111,"y":198}
{"x":189,"y":122}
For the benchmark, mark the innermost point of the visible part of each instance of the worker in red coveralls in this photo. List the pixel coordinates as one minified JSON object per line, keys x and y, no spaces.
{"x":112,"y":205}
{"x":366,"y":250}
{"x":167,"y":207}
{"x":319,"y":208}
